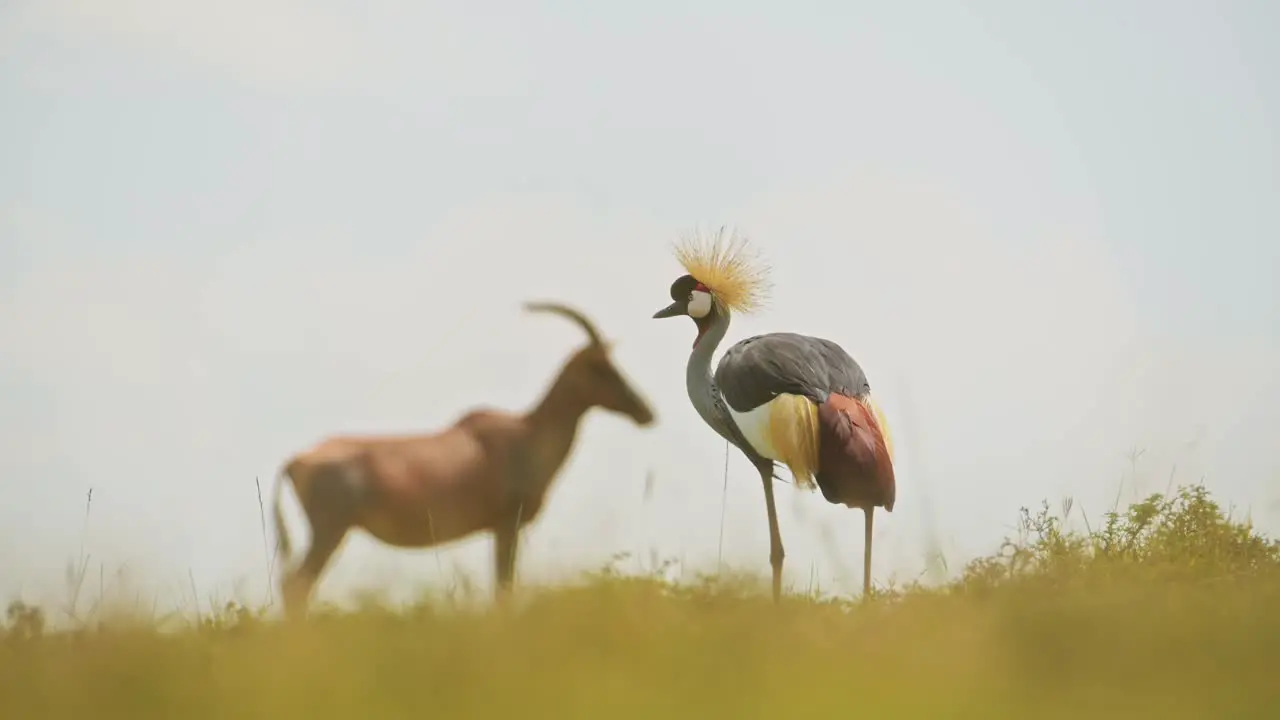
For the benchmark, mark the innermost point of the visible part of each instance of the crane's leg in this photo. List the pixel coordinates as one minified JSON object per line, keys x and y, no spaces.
{"x":869,"y":511}
{"x":776,"y":553}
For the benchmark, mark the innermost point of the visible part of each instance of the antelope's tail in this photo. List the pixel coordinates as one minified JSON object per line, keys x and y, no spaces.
{"x":855,"y":453}
{"x":283,"y":546}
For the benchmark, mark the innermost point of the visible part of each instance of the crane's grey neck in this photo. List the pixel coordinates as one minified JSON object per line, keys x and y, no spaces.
{"x":699,"y":382}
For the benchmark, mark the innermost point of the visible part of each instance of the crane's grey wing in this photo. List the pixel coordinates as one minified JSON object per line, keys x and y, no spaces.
{"x":758,"y":369}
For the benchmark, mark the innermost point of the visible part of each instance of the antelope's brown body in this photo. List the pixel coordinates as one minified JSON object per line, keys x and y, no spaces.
{"x":427,"y":490}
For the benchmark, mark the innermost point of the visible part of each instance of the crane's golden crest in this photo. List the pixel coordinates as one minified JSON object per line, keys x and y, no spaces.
{"x":727,"y":264}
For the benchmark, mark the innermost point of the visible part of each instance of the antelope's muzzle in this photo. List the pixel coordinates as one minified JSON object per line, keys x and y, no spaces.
{"x":641,"y":413}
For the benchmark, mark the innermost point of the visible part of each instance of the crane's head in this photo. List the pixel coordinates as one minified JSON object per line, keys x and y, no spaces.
{"x":689,"y":297}
{"x":721,"y":275}
{"x":591,"y":374}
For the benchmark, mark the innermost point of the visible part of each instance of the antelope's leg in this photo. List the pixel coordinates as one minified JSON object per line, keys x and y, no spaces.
{"x":776,"y":553}
{"x":331,"y":506}
{"x":298,"y":586}
{"x":506,"y":535}
{"x":506,"y":539}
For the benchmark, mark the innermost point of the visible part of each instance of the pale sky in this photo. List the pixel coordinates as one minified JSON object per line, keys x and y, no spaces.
{"x":1049,"y":231}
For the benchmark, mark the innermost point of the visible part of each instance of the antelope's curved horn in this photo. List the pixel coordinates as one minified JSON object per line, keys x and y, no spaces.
{"x":568,"y":312}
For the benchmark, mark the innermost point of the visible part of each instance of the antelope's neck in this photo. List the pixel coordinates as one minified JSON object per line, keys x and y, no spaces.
{"x":553,"y":426}
{"x":699,"y":381}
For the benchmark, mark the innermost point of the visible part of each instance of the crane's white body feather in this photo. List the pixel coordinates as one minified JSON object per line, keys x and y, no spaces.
{"x":754,"y":424}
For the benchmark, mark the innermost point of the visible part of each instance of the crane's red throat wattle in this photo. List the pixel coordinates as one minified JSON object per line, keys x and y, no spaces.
{"x":703,"y":324}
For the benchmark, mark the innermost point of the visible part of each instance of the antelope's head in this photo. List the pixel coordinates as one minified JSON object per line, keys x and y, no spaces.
{"x":591,"y":375}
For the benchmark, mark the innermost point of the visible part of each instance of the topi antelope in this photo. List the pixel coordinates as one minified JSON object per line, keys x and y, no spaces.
{"x":781,"y":397}
{"x":489,"y":471}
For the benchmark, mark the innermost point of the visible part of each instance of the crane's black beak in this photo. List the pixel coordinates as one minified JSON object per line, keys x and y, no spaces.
{"x":672,"y":310}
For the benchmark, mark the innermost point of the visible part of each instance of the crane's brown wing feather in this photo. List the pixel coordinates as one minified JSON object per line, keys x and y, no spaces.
{"x":757,"y":369}
{"x":854,"y":464}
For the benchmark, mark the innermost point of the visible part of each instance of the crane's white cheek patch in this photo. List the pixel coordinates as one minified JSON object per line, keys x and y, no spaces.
{"x":699,"y":304}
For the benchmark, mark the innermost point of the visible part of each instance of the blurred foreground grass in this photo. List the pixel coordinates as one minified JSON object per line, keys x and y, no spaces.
{"x":1168,"y":610}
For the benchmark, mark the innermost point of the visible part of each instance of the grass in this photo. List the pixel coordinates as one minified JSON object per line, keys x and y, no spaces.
{"x":1167,"y":610}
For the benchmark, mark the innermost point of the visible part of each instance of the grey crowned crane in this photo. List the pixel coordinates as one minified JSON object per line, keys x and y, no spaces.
{"x":780,"y":397}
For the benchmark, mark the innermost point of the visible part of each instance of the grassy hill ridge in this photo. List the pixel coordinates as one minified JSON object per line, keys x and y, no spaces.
{"x":1166,"y":609}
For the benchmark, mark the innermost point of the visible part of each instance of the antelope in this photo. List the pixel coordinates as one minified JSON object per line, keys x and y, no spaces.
{"x":487,"y":472}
